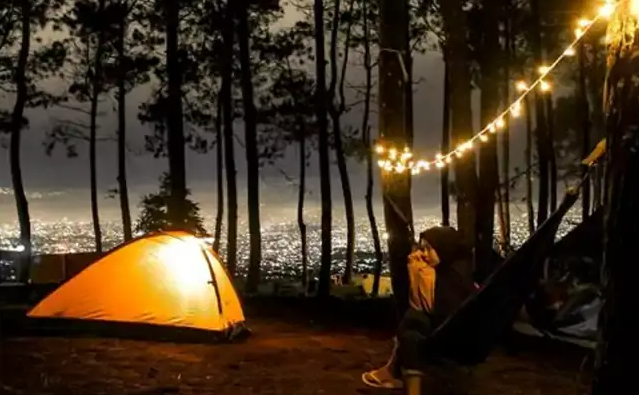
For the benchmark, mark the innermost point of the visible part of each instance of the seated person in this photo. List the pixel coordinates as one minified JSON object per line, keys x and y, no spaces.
{"x":440,"y":275}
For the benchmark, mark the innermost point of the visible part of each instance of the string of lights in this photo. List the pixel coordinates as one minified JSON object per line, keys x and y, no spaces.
{"x":403,"y":160}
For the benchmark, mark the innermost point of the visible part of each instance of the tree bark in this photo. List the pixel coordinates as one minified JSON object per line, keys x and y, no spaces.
{"x":22,"y":205}
{"x":324,"y":163}
{"x":597,"y":186}
{"x":300,"y":207}
{"x":393,"y":114}
{"x":96,"y":91}
{"x":618,"y":344}
{"x":488,"y":163}
{"x":530,"y":208}
{"x":252,"y":156}
{"x":455,"y":28}
{"x":123,"y":190}
{"x":336,"y":110}
{"x":229,"y":140}
{"x":176,"y":150}
{"x":540,"y":121}
{"x":584,"y":119}
{"x":366,"y":136}
{"x":444,"y":173}
{"x":219,"y":169}
{"x":550,"y":142}
{"x":508,"y":56}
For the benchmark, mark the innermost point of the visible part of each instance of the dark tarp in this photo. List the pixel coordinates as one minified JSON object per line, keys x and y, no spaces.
{"x":468,"y":336}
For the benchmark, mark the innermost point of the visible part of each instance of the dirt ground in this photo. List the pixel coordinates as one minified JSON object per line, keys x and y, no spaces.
{"x":279,"y":358}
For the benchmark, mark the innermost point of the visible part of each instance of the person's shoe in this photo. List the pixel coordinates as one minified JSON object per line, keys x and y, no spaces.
{"x":382,"y":378}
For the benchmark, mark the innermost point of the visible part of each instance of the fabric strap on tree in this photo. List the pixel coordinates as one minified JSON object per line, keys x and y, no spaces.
{"x":401,"y":215}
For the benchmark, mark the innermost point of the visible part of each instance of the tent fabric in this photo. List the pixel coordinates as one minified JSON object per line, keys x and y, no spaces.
{"x":468,"y":335}
{"x":168,"y":279}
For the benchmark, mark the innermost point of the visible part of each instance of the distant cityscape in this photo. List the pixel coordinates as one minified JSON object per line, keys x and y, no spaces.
{"x":280,"y":240}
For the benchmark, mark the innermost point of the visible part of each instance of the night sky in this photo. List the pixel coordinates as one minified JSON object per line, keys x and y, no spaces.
{"x":43,"y":175}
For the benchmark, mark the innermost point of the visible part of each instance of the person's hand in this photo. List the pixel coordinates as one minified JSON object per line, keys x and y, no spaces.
{"x":418,"y":254}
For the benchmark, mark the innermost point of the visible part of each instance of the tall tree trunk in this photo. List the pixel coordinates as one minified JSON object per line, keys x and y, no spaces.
{"x":488,"y":162}
{"x":550,"y":116}
{"x":323,"y":151}
{"x":366,"y":136}
{"x":408,"y":89}
{"x":252,"y":155}
{"x":123,"y":190}
{"x":594,"y":83}
{"x":509,"y":53}
{"x":370,"y":211}
{"x":540,"y":121}
{"x":22,"y":205}
{"x":177,"y":170}
{"x":229,"y":142}
{"x":346,"y":193}
{"x":336,"y":110}
{"x":96,"y":91}
{"x":597,"y":186}
{"x":444,"y":176}
{"x":584,"y":118}
{"x":393,"y":114}
{"x":219,"y":168}
{"x":455,"y":28}
{"x":530,"y":208}
{"x":301,"y":197}
{"x":618,"y":345}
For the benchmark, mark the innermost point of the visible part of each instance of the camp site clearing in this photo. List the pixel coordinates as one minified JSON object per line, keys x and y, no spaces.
{"x":289,"y":354}
{"x":291,"y":346}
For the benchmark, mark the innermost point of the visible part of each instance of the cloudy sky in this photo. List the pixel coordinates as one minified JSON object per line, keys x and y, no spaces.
{"x":58,"y":184}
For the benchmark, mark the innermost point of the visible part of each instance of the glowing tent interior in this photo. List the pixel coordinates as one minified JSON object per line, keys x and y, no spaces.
{"x":167,"y":280}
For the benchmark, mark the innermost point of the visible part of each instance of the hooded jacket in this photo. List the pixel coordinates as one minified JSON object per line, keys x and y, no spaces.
{"x":444,"y":286}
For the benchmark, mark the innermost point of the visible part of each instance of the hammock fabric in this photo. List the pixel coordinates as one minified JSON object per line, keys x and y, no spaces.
{"x":468,"y":335}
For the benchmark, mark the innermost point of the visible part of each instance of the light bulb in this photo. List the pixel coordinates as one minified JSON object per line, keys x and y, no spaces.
{"x":583,"y":22}
{"x":570,"y":51}
{"x":439,"y":164}
{"x":521,"y":86}
{"x":579,"y":32}
{"x":439,"y":156}
{"x":449,"y":159}
{"x":400,"y":168}
{"x":483,"y":138}
{"x":406,"y":156}
{"x":492,"y":128}
{"x":543,"y":69}
{"x":379,"y":149}
{"x":500,"y":123}
{"x":606,"y":10}
{"x":544,"y":86}
{"x":381,"y":163}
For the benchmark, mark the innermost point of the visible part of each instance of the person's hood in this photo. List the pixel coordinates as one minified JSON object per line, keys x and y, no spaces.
{"x":448,"y":243}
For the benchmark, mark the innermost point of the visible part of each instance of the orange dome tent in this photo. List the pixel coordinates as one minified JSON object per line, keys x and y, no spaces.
{"x":168,"y":280}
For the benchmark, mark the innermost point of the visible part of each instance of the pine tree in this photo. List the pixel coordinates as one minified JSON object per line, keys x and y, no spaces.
{"x":154,"y":214}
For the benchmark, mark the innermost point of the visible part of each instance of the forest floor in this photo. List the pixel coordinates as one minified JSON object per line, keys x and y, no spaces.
{"x":287,"y":353}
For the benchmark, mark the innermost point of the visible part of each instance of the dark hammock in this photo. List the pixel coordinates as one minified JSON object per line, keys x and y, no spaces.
{"x":468,"y":335}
